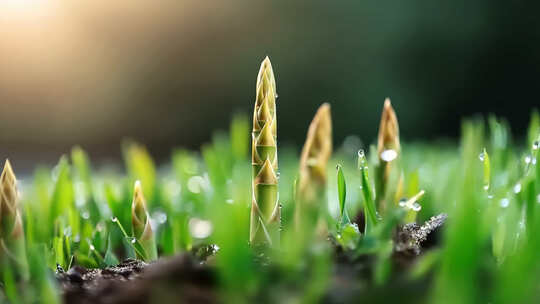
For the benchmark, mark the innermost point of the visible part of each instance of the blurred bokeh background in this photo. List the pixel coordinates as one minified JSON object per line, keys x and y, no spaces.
{"x":169,"y":73}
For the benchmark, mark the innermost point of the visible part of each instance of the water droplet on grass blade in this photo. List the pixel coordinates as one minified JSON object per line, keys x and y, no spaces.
{"x":505,"y":202}
{"x":160,"y":217}
{"x":416,"y":207}
{"x":114,"y":219}
{"x":200,"y":229}
{"x":517,"y":188}
{"x":361,"y":153}
{"x":528,"y":159}
{"x":535,"y":145}
{"x":403,"y":202}
{"x":482,"y":156}
{"x":388,"y":155}
{"x":85,"y":215}
{"x":92,"y":248}
{"x":67,"y":231}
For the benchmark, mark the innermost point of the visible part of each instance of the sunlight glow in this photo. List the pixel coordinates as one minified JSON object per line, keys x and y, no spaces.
{"x":24,"y":7}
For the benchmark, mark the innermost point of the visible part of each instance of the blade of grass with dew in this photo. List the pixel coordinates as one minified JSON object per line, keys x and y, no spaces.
{"x":370,"y":212}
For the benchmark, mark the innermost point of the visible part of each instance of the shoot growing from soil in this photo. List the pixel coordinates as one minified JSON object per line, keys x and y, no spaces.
{"x":388,"y":150}
{"x":313,"y":166}
{"x":140,"y":220}
{"x":265,"y":210}
{"x":13,"y":248}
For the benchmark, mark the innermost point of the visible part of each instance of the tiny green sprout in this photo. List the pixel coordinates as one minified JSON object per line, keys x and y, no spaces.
{"x":342,"y":195}
{"x":11,"y":230}
{"x":140,"y":220}
{"x":348,"y":233}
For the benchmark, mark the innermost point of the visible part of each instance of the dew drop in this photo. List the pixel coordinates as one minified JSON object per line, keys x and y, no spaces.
{"x":403,"y":202}
{"x":517,"y":188}
{"x":133,"y":240}
{"x":486,"y":187}
{"x":482,"y":156}
{"x":100,"y":226}
{"x":361,"y":153}
{"x":160,"y":217}
{"x":114,"y":219}
{"x":505,"y":202}
{"x":200,"y":229}
{"x":67,"y":231}
{"x":229,"y":201}
{"x":528,"y":159}
{"x":535,"y":145}
{"x":85,"y":215}
{"x":388,"y":155}
{"x":92,"y":248}
{"x":416,"y":207}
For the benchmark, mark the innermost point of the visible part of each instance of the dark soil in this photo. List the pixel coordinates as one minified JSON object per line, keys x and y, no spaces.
{"x":353,"y":275}
{"x":180,"y":279}
{"x":188,"y":278}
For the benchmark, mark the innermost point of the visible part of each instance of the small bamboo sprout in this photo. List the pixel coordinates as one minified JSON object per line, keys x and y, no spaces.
{"x":140,"y":221}
{"x":265,"y":210}
{"x":11,"y":232}
{"x":313,"y":163}
{"x":388,"y":150}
